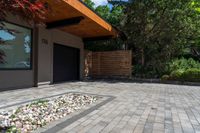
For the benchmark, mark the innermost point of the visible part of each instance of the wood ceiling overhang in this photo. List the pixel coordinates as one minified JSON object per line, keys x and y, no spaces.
{"x":75,"y":17}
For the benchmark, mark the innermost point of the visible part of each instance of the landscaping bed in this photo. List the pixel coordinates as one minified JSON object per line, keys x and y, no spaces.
{"x":37,"y":114}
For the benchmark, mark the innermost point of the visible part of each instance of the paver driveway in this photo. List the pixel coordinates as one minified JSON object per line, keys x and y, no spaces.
{"x":137,"y":107}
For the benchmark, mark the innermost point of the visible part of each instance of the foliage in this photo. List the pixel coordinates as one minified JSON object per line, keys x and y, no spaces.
{"x":103,"y":11}
{"x":165,"y":77}
{"x":176,"y":74}
{"x":160,"y":30}
{"x":112,"y":15}
{"x":104,"y":45}
{"x":196,"y":4}
{"x":137,"y":68}
{"x":39,"y":102}
{"x":29,"y":10}
{"x":117,"y":2}
{"x":146,"y":72}
{"x":184,"y":70}
{"x":12,"y":129}
{"x":183,"y":64}
{"x":192,"y":75}
{"x":90,"y":4}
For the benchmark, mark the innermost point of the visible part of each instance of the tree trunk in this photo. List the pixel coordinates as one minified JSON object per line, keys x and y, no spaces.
{"x":142,"y":57}
{"x":142,"y":62}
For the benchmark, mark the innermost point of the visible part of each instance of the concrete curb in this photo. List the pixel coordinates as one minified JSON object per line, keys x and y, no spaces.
{"x":138,"y":80}
{"x":166,"y":82}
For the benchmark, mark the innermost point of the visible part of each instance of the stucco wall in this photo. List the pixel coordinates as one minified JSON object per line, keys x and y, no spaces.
{"x":12,"y":79}
{"x":42,"y":70}
{"x":45,"y":56}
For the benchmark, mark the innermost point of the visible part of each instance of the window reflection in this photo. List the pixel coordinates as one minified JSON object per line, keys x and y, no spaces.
{"x":15,"y":47}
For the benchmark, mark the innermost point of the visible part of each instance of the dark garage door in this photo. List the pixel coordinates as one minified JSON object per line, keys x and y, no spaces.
{"x":66,"y":63}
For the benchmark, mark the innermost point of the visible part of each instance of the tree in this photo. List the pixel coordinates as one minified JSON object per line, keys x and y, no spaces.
{"x":104,"y":11}
{"x":195,"y":49}
{"x":113,"y":14}
{"x":90,"y":4}
{"x":29,"y":10}
{"x":117,"y":2}
{"x":158,"y":31}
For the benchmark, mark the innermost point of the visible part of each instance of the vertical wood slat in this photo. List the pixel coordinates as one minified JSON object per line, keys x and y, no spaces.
{"x":110,"y":64}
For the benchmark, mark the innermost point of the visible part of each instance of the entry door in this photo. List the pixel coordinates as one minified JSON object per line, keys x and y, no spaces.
{"x":66,"y":63}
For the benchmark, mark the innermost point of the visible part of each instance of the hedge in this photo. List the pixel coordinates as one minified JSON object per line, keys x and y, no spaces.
{"x":192,"y":75}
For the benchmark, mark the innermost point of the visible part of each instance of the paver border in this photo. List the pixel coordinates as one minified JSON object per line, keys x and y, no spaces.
{"x":63,"y":123}
{"x":42,"y":98}
{"x":58,"y":125}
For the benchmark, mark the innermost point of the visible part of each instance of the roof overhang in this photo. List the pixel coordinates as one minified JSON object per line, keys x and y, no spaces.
{"x":74,"y":17}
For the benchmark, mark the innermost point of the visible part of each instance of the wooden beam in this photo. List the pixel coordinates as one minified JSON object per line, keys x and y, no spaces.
{"x":79,"y":6}
{"x":64,"y":22}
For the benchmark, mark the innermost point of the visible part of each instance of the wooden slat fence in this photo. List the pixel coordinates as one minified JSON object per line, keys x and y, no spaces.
{"x":108,"y":64}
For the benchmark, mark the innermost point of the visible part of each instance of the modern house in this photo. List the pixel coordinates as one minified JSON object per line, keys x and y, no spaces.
{"x":53,"y":53}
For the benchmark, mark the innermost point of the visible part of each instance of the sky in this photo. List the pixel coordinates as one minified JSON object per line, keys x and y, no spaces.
{"x":100,"y":2}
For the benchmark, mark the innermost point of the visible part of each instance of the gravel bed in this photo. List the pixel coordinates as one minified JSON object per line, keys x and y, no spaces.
{"x":39,"y":113}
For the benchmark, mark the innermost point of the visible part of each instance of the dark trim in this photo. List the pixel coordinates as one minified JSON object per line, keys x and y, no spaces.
{"x":121,"y":34}
{"x":98,"y":38}
{"x":31,"y":52}
{"x":64,"y":22}
{"x":36,"y":54}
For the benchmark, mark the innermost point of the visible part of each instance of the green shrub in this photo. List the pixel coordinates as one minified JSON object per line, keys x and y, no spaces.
{"x":165,"y":77}
{"x":177,"y":74}
{"x":192,"y":75}
{"x":183,"y":64}
{"x":184,"y":70}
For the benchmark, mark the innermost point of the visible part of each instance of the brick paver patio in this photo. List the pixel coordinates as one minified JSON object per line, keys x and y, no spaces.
{"x":137,"y":107}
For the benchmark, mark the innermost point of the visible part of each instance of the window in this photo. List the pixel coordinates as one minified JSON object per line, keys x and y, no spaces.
{"x":15,"y":46}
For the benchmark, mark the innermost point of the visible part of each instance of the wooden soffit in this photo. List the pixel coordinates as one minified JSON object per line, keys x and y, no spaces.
{"x":90,"y":26}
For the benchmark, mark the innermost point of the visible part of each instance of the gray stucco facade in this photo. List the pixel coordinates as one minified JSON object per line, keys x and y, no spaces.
{"x":42,"y":57}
